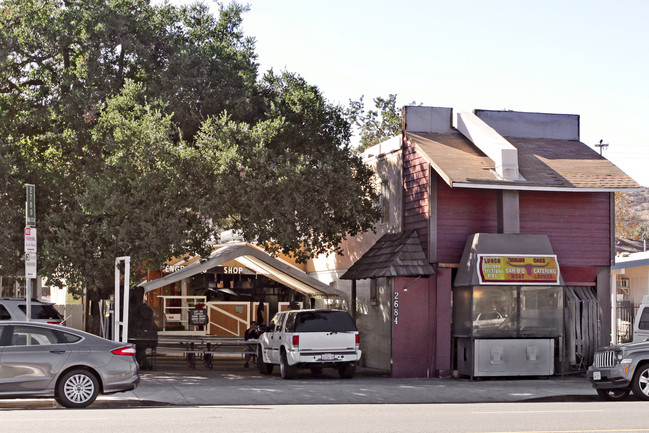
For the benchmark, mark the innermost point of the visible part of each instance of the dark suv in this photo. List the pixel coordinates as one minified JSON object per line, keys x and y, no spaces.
{"x":619,"y":369}
{"x":16,"y":309}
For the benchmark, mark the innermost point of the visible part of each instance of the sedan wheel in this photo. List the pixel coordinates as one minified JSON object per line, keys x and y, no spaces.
{"x":640,"y":383}
{"x":613,"y":394}
{"x":77,"y":388}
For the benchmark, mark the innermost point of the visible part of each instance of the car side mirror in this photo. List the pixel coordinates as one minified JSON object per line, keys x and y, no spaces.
{"x":263,"y":328}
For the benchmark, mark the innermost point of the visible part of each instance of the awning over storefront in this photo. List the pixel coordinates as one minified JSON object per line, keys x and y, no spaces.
{"x":257,"y":260}
{"x":530,"y":254}
{"x":393,"y":255}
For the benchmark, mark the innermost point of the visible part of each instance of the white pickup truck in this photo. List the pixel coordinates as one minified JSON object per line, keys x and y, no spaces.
{"x":312,"y":339}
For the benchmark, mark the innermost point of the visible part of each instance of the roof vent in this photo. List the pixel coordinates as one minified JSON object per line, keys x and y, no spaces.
{"x":504,"y":155}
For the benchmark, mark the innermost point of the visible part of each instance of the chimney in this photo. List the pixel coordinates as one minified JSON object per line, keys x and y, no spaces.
{"x":432,"y":120}
{"x":504,"y":155}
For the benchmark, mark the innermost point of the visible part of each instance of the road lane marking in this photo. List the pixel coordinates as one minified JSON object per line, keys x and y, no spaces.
{"x":575,"y":431}
{"x":2,"y":419}
{"x":540,"y":411}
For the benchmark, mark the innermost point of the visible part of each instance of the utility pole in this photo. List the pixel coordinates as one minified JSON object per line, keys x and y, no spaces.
{"x":601,"y":146}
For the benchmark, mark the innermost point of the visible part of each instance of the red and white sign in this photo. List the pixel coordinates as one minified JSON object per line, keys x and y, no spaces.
{"x":30,"y":240}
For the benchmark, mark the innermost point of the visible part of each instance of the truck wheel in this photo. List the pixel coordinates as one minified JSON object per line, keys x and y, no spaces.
{"x":347,"y":371}
{"x":640,"y":382}
{"x":288,"y":371}
{"x":613,"y":394}
{"x":263,"y":367}
{"x":77,"y":388}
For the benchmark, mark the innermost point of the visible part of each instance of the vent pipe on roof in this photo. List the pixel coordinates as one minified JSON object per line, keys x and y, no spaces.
{"x":504,"y":155}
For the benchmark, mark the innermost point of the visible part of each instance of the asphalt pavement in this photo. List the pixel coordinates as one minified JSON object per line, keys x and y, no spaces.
{"x":228,"y":383}
{"x":174,"y":383}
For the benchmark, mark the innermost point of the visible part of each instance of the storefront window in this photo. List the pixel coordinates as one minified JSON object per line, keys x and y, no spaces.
{"x":508,"y":311}
{"x":495,"y":311}
{"x":541,"y":311}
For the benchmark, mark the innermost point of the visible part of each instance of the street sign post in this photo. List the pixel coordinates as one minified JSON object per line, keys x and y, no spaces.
{"x":30,"y":265}
{"x":30,"y":206}
{"x":30,"y":245}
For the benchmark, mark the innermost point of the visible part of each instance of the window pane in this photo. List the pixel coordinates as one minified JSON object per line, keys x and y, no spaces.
{"x":66,"y":337}
{"x":644,"y":319}
{"x":4,"y":314}
{"x":495,"y":311}
{"x":324,"y":321}
{"x":45,"y":312}
{"x":3,"y":329}
{"x":32,"y":336}
{"x":541,"y":311}
{"x":290,"y":322}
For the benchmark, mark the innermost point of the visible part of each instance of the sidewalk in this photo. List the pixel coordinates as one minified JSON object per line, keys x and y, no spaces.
{"x":228,"y":383}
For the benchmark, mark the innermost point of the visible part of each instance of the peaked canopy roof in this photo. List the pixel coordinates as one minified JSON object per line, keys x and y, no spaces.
{"x":393,"y":255}
{"x":257,"y":260}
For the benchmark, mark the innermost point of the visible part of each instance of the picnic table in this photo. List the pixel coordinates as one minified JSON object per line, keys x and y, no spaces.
{"x":206,"y":348}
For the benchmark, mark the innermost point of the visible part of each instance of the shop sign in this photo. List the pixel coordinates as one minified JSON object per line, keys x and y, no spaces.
{"x":169,"y":269}
{"x":233,"y":270}
{"x":198,"y":317}
{"x":521,"y":269}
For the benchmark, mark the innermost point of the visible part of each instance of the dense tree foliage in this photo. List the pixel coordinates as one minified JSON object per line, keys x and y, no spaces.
{"x":626,"y":221}
{"x":147,"y":131}
{"x":376,"y":125}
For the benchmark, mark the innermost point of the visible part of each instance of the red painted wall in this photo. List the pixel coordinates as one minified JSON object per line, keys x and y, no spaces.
{"x":462,"y":212}
{"x":578,"y":224}
{"x":413,"y":340}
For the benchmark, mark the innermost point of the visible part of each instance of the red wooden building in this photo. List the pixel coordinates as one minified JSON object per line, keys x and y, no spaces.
{"x":497,"y":187}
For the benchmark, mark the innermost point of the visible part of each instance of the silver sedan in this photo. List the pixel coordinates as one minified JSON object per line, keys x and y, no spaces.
{"x":41,"y":360}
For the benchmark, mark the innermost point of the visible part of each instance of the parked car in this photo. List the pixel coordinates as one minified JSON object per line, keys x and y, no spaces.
{"x":16,"y":309}
{"x":314,"y":339}
{"x":488,"y":319}
{"x":619,"y":369}
{"x":41,"y":360}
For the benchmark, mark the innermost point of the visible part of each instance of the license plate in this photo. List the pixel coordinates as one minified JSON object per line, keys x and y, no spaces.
{"x":328,"y":357}
{"x":597,"y":375}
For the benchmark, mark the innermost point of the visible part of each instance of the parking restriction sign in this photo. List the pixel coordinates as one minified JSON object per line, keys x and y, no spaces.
{"x":30,"y":240}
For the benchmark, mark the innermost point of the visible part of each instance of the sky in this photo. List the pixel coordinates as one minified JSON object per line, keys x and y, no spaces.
{"x":553,"y":56}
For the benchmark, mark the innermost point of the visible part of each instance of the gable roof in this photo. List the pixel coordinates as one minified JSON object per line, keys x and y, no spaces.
{"x":257,"y":260}
{"x":544,"y":164}
{"x":393,"y":255}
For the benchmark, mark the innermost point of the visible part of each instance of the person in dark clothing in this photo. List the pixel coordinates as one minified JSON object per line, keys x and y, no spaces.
{"x":260,"y":313}
{"x":251,"y":333}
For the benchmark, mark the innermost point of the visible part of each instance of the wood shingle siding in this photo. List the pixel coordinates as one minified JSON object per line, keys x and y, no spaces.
{"x":415,"y":198}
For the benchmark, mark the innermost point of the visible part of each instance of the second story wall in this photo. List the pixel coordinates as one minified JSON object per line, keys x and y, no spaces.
{"x":577,"y":223}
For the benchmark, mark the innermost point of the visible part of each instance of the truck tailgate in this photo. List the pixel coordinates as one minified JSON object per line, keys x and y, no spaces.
{"x":327,"y":341}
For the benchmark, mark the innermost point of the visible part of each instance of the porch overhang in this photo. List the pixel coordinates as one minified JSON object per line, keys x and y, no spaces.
{"x":254,"y":259}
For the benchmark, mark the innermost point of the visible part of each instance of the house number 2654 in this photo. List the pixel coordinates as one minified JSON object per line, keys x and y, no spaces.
{"x":395,"y":305}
